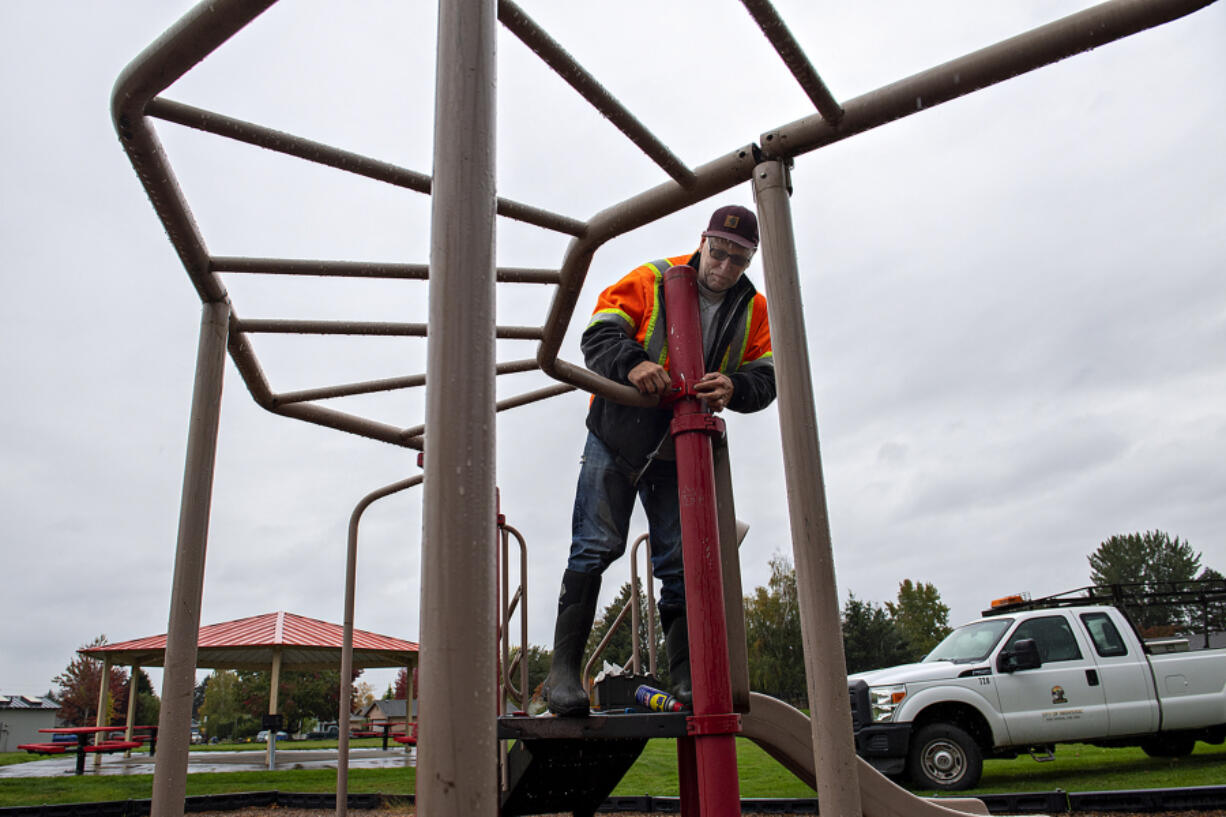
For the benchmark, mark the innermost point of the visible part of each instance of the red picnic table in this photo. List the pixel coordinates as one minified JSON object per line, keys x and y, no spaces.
{"x":83,"y":734}
{"x":386,"y":727}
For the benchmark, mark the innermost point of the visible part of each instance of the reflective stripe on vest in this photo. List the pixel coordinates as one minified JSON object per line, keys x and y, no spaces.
{"x":655,"y":333}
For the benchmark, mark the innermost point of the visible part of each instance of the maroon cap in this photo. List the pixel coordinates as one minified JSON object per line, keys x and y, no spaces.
{"x":735,"y":223}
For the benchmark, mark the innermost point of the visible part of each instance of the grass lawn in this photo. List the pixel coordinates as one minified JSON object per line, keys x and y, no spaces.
{"x":1076,"y":767}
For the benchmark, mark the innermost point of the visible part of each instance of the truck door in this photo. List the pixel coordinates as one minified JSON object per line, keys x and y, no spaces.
{"x":1132,"y":706}
{"x":1060,"y":700}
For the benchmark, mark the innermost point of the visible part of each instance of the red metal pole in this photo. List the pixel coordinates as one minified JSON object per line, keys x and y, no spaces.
{"x":713,"y":724}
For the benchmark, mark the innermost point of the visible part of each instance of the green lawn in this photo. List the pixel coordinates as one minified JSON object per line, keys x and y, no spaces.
{"x":1075,"y":768}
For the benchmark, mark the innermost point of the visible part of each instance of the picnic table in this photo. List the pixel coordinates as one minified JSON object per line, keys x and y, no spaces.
{"x":386,"y":731}
{"x":83,"y":746}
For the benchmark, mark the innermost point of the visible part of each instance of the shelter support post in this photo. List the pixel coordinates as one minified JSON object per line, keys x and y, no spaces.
{"x":187,"y":590}
{"x":458,"y":750}
{"x":104,"y":705}
{"x":274,"y":682}
{"x":131,"y":720}
{"x":833,"y":745}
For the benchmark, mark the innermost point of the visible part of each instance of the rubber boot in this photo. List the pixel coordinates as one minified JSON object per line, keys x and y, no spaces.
{"x":564,"y":690}
{"x":677,"y":644}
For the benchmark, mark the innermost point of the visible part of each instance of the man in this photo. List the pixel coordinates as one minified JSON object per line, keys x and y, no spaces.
{"x":629,"y":450}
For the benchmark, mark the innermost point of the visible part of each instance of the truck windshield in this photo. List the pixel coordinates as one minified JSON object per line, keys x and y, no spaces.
{"x":970,"y":643}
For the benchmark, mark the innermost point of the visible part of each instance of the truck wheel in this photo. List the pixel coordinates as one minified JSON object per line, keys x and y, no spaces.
{"x":944,"y":757}
{"x":1168,"y":746}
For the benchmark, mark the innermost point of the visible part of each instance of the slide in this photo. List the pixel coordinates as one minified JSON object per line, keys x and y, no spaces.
{"x":784,"y":733}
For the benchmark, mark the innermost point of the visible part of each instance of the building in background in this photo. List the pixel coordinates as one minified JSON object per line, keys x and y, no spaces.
{"x":21,"y":716}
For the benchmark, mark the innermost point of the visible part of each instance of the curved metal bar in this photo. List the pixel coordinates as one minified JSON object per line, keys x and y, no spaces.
{"x":378,"y":328}
{"x":526,"y":692}
{"x":635,"y":660}
{"x":351,"y":570}
{"x":712,"y":178}
{"x":794,"y":58}
{"x":600,"y":648}
{"x":1025,"y":52}
{"x":363,"y":269}
{"x":386,"y":384}
{"x":577,"y":77}
{"x":409,"y":435}
{"x":319,"y":153}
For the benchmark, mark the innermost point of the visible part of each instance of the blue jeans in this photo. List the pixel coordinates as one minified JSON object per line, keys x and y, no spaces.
{"x":604,"y":501}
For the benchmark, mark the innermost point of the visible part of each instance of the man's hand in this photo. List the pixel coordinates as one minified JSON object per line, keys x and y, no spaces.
{"x":715,"y":389}
{"x":650,"y":378}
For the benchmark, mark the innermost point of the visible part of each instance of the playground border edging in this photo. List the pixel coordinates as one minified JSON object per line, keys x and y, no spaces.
{"x":1049,"y":802}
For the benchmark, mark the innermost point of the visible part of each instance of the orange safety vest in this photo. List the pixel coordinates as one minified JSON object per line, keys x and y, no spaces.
{"x":636,"y":303}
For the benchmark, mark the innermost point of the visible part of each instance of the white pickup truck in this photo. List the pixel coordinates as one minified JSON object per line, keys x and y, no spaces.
{"x":1022,"y":680}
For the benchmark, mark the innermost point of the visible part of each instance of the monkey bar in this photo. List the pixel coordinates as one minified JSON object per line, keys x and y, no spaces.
{"x":462,"y":275}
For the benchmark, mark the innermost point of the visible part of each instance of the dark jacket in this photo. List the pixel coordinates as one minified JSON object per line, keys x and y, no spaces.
{"x":617,"y":340}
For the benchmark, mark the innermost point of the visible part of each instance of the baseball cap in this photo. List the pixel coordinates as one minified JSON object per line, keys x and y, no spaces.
{"x":735,"y":223}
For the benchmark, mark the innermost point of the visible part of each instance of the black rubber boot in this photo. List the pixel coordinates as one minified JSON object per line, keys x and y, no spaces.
{"x":677,"y":643}
{"x":564,"y":690}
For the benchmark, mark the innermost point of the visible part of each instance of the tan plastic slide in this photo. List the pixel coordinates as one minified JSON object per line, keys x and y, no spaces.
{"x":784,"y":733}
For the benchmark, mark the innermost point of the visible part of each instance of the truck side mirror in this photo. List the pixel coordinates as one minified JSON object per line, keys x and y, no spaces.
{"x":1023,"y":655}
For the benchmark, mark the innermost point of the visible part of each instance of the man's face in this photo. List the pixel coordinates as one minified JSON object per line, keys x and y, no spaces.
{"x":722,"y":263}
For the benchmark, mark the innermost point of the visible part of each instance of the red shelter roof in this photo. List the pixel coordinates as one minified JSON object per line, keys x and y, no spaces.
{"x":249,"y":643}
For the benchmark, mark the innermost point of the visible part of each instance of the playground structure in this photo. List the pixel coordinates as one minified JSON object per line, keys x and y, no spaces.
{"x":460,"y":410}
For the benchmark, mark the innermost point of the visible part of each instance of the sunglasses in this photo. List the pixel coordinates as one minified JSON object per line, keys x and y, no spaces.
{"x":719,"y":254}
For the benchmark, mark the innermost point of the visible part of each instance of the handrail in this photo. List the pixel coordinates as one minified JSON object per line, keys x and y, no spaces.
{"x":510,"y":604}
{"x":632,"y":607}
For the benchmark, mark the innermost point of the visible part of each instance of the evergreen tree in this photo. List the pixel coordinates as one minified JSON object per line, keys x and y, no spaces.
{"x":1152,"y":559}
{"x":920,"y":616}
{"x":619,"y":649}
{"x":871,"y":639}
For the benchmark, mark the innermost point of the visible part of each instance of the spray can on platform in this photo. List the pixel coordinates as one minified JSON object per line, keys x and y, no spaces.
{"x":656,"y":700}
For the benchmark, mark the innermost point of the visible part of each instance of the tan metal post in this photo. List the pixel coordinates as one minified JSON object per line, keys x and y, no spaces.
{"x":187,"y":590}
{"x":838,"y":787}
{"x":104,"y":701}
{"x":274,"y":682}
{"x":457,"y":749}
{"x":730,"y":566}
{"x":127,"y":732}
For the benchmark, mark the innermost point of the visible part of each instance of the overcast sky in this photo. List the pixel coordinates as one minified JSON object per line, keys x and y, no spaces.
{"x":1015,"y":301}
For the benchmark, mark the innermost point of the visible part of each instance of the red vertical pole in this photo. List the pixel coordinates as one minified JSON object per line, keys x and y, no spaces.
{"x":713,"y":724}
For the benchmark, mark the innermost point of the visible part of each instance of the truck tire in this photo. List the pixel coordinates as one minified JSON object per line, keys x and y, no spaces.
{"x":944,"y":757}
{"x":1168,"y":745}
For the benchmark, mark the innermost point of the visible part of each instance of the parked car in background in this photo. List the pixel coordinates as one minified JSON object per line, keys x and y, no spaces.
{"x":262,"y":736}
{"x":327,"y":731}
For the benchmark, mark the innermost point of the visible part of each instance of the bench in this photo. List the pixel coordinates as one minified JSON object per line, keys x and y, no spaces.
{"x":48,"y":748}
{"x":114,"y":746}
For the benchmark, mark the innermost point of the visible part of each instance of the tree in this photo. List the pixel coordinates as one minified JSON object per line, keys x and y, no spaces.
{"x":1210,"y":617}
{"x":363,"y":696}
{"x":79,"y":686}
{"x":871,"y":639}
{"x":300,"y":695}
{"x":539,"y":659}
{"x":148,"y":705}
{"x":618,"y":650}
{"x":772,"y":635}
{"x":222,"y":714}
{"x":920,"y":616}
{"x":1152,"y":559}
